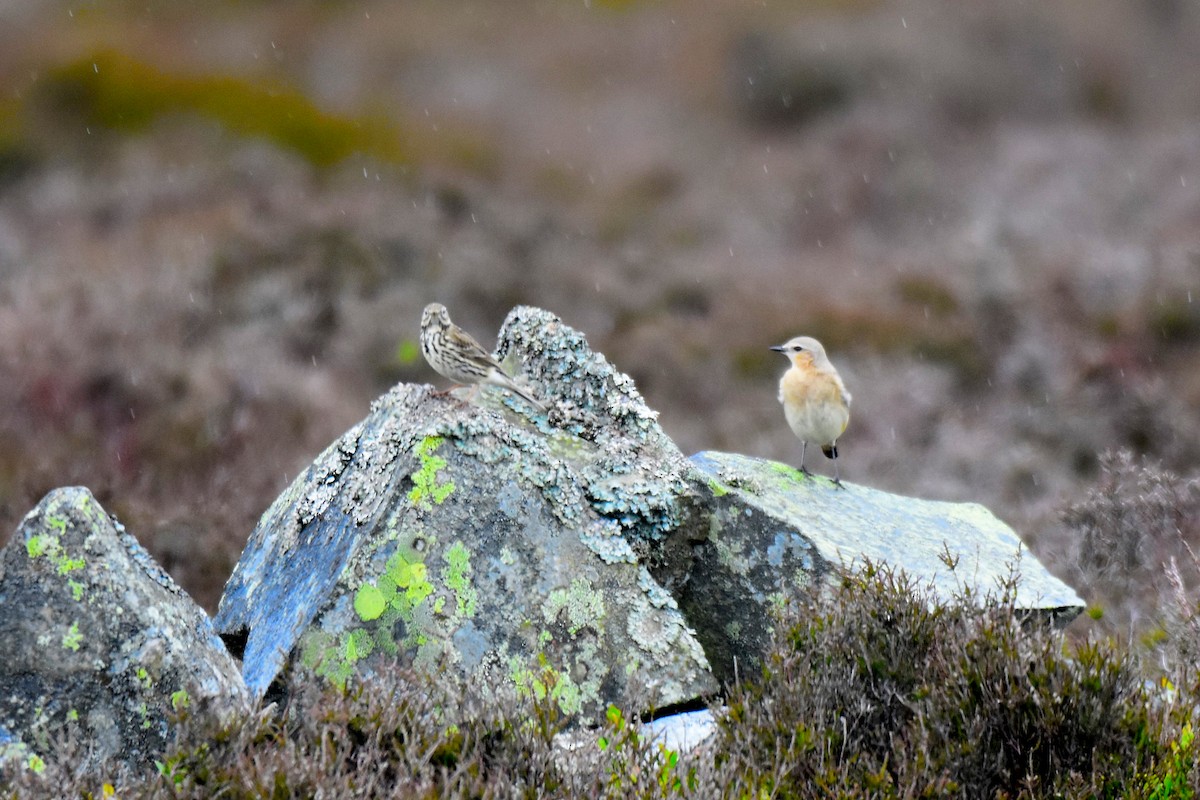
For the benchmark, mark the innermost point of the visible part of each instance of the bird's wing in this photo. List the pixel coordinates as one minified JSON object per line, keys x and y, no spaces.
{"x":472,"y":349}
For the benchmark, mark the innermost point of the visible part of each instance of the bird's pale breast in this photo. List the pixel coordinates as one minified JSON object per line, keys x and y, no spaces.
{"x":814,"y":404}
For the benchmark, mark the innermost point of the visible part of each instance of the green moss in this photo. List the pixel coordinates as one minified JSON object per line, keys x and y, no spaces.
{"x":115,"y":91}
{"x":928,"y":293}
{"x":76,"y":590}
{"x":716,"y":488}
{"x":426,"y":489}
{"x":787,"y":471}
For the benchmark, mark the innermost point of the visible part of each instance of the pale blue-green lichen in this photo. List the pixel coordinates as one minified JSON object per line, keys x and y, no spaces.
{"x":658,"y":596}
{"x":583,"y":604}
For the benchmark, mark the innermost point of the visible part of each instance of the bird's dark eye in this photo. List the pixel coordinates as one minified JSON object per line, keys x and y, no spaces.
{"x":797,"y":349}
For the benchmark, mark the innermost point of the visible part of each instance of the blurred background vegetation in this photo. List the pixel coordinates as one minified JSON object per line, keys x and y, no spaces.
{"x":219,"y":224}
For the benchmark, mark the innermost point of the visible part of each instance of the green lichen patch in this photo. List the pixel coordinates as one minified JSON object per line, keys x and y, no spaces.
{"x":72,"y":638}
{"x":180,"y":700}
{"x":50,"y":546}
{"x":427,"y":491}
{"x":583,"y":604}
{"x":457,"y":576}
{"x":328,"y":655}
{"x":369,"y":602}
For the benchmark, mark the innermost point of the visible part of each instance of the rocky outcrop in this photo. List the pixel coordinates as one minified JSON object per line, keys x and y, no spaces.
{"x":97,"y":637}
{"x":472,"y":536}
{"x":574,"y":552}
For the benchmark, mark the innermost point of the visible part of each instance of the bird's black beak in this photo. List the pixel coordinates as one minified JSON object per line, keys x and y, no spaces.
{"x":778,"y":348}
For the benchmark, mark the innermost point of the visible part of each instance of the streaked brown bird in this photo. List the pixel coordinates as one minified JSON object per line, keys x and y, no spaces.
{"x":453,"y":353}
{"x":815,"y":401}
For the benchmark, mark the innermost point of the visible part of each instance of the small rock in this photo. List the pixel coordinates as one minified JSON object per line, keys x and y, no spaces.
{"x":97,"y":636}
{"x":774,"y":532}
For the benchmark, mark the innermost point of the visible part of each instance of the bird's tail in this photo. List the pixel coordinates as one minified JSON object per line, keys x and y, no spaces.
{"x":524,"y":393}
{"x":830,"y":450}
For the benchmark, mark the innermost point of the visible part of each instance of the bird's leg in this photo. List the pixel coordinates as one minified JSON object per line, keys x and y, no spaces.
{"x":837,"y":473}
{"x":447,"y":393}
{"x":803,"y":449}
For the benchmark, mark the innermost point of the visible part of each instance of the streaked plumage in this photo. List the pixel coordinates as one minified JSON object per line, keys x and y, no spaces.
{"x":453,"y":353}
{"x":815,"y":401}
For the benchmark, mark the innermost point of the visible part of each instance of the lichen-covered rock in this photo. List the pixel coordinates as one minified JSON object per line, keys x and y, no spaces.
{"x":773,"y":532}
{"x":95,"y":635}
{"x":478,"y":539}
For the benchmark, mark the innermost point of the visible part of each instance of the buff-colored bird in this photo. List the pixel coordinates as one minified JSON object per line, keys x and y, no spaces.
{"x":815,"y":401}
{"x":453,"y":353}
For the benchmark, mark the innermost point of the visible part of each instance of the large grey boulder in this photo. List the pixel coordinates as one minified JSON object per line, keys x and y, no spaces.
{"x":470,"y":536}
{"x":96,"y":636}
{"x":773,"y":532}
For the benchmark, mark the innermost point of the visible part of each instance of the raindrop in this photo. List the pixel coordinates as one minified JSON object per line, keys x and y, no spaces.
{"x":765,"y":171}
{"x":132,"y":415}
{"x":365,"y":172}
{"x":95,"y":67}
{"x":1182,"y":181}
